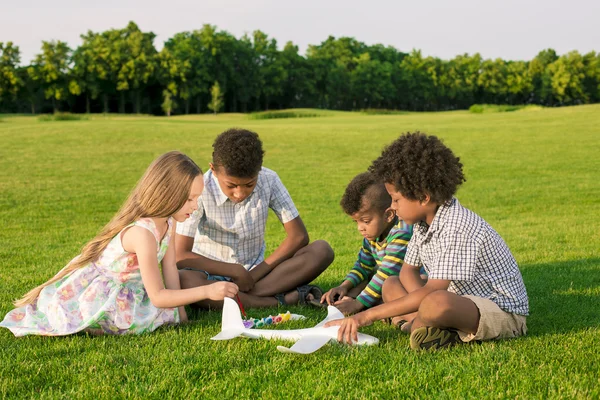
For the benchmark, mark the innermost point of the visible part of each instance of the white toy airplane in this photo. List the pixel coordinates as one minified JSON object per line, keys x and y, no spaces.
{"x":307,"y":340}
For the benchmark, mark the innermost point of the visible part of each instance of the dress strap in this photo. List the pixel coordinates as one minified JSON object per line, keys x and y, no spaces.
{"x":148,"y":223}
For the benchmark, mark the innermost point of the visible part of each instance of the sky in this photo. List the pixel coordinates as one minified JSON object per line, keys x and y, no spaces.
{"x":509,"y":29}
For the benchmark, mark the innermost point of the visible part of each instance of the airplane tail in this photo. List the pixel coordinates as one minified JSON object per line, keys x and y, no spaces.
{"x":231,"y":324}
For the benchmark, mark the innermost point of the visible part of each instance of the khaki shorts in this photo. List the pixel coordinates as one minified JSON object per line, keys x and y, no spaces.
{"x":494,"y":323}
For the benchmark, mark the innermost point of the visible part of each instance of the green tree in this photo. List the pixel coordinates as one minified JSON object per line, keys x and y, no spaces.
{"x":371,"y":82}
{"x":299,"y":85}
{"x":271,"y":72}
{"x":10,"y":81}
{"x":591,"y":82}
{"x":333,"y":62}
{"x":540,"y":76}
{"x":519,"y":84}
{"x":419,"y":81}
{"x":168,"y":104}
{"x":190,"y":63}
{"x":51,"y":71}
{"x":492,"y":82}
{"x":87,"y":71}
{"x":567,"y":79}
{"x":172,"y":75}
{"x":216,"y":102}
{"x":138,"y":62}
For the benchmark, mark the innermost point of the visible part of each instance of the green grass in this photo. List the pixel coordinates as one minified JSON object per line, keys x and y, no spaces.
{"x":533,"y":176}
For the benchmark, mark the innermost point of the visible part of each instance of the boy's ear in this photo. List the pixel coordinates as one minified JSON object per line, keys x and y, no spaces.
{"x":212,"y":167}
{"x":426,"y":200}
{"x":390,"y":214}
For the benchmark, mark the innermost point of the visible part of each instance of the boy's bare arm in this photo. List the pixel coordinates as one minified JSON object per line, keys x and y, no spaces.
{"x":407,"y":304}
{"x":186,"y":258}
{"x":296,"y":238}
{"x":410,"y":277}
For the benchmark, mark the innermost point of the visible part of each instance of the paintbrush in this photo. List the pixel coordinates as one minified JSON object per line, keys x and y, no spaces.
{"x":241,"y":306}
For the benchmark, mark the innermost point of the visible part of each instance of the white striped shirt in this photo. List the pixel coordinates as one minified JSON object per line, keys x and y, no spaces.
{"x":235,"y":232}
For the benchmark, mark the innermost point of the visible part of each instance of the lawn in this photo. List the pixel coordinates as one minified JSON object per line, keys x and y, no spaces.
{"x":533,"y":175}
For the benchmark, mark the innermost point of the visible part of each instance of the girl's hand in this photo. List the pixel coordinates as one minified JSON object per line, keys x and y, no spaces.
{"x":334,"y":294}
{"x":220,"y":290}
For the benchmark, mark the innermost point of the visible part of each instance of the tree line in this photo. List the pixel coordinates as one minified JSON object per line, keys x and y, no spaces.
{"x":120,"y":70}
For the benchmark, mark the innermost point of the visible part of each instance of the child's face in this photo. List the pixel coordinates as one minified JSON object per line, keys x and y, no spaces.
{"x":191,"y":203}
{"x":236,"y":189}
{"x":371,"y":222}
{"x":410,"y":211}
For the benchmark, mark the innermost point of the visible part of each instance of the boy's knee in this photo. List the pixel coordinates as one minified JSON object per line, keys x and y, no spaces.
{"x":323,"y":252}
{"x":434,"y":307}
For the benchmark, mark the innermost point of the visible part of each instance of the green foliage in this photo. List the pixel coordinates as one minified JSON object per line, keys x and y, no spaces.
{"x":282,"y":114}
{"x":382,"y":111}
{"x":168,"y":104}
{"x":51,"y":69}
{"x":62,"y":182}
{"x":120,"y":69}
{"x":216,"y":101}
{"x":495,"y":108}
{"x":62,"y":116}
{"x":10,"y":81}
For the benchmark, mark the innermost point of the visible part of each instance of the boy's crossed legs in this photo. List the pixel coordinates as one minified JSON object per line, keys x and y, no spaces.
{"x":306,"y":265}
{"x":445,"y":318}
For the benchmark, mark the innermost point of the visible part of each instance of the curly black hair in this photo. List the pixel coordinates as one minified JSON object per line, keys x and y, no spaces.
{"x":418,"y":165}
{"x":365,"y":190}
{"x":239,"y":152}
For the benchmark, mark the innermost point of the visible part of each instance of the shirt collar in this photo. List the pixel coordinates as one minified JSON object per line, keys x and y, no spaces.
{"x":221,"y":198}
{"x":438,"y":219}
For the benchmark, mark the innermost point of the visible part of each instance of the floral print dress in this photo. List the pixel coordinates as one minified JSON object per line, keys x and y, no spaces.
{"x":105,"y":295}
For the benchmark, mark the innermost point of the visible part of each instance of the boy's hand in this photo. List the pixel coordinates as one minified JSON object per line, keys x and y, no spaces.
{"x":334,"y":294}
{"x":349,"y":306}
{"x":348,"y":332}
{"x":243,"y":279}
{"x":220,"y":290}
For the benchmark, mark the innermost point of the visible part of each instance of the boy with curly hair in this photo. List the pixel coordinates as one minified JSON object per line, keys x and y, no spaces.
{"x":225,"y":238}
{"x":385,"y":238}
{"x":474,"y":289}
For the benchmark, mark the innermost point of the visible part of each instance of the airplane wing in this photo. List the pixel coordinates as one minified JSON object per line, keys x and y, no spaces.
{"x":332,"y":313}
{"x":306,"y":344}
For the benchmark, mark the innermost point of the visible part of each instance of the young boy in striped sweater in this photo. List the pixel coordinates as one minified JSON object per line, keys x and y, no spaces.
{"x":385,"y":239}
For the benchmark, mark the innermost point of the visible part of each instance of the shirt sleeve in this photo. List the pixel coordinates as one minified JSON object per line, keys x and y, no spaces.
{"x":281,"y":202}
{"x":364,"y":265}
{"x":390,"y":266}
{"x":190,"y":225}
{"x":457,"y":258}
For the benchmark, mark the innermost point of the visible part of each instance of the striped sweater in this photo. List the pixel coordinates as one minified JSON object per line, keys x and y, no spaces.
{"x":377,"y":261}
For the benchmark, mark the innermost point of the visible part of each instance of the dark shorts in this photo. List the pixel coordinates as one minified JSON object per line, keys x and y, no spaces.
{"x":216,"y":278}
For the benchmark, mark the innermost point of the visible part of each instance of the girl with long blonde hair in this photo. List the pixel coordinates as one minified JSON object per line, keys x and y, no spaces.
{"x":115,"y":285}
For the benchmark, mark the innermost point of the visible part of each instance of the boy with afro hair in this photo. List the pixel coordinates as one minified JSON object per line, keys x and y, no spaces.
{"x":474,"y":289}
{"x":225,"y":238}
{"x":383,"y":247}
